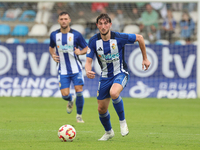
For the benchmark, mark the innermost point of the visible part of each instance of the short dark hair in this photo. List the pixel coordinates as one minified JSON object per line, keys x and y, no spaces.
{"x":64,"y":13}
{"x":103,"y":16}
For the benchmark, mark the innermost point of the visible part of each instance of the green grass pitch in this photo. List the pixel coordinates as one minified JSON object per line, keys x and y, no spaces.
{"x":154,"y":124}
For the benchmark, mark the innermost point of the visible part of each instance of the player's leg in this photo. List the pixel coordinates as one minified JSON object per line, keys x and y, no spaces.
{"x":118,"y":85}
{"x":64,"y":83}
{"x":104,"y":117}
{"x":78,"y":81}
{"x":79,"y":103}
{"x":103,"y":97}
{"x":104,"y":114}
{"x":117,"y":100}
{"x":68,"y":97}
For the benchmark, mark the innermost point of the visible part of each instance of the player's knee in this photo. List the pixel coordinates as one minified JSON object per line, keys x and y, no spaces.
{"x":114,"y":94}
{"x":102,"y":110}
{"x":64,"y":93}
{"x":78,"y":88}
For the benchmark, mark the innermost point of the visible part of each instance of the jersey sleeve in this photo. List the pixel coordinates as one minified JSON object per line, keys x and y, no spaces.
{"x":131,"y":38}
{"x":91,"y":49}
{"x":126,"y":38}
{"x":52,"y":44}
{"x":81,"y":41}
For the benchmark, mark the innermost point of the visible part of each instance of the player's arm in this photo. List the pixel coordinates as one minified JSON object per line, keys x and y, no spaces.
{"x":77,"y":51}
{"x":88,"y":68}
{"x":53,"y":54}
{"x":145,"y":61}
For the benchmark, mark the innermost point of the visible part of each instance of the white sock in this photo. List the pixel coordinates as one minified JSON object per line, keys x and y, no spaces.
{"x":122,"y":123}
{"x":109,"y":131}
{"x":78,"y":115}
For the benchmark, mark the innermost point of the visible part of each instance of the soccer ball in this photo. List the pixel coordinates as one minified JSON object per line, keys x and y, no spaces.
{"x":66,"y":133}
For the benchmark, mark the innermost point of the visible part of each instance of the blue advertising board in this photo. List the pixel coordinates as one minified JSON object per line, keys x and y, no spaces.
{"x":28,"y":70}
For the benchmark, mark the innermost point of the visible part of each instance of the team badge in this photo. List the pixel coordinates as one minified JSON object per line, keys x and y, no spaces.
{"x":113,"y":46}
{"x":70,"y":38}
{"x":59,"y":84}
{"x":97,"y":93}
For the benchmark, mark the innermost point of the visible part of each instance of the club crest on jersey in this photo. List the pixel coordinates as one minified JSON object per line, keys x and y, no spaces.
{"x":113,"y":46}
{"x":70,"y":38}
{"x":59,"y":84}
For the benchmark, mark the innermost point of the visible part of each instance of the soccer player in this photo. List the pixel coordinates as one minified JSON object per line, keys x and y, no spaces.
{"x":64,"y":49}
{"x":108,"y":46}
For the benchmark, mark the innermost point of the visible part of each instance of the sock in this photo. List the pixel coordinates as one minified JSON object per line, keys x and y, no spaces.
{"x":68,"y":97}
{"x":79,"y":102}
{"x":119,"y":107}
{"x":122,"y":123}
{"x":105,"y":121}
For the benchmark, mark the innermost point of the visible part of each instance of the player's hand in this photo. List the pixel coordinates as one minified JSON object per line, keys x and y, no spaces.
{"x":77,"y":51}
{"x":145,"y":64}
{"x":90,"y":74}
{"x":55,"y":57}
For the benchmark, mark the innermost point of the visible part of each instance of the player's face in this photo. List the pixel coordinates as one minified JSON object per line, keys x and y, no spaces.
{"x":64,"y":21}
{"x":104,"y":26}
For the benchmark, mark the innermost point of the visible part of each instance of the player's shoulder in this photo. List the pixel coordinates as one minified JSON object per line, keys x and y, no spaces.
{"x":75,"y":32}
{"x":120,"y":35}
{"x":94,"y":38}
{"x":55,"y":32}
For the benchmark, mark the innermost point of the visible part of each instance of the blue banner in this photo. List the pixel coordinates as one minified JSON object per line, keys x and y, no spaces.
{"x":28,"y":70}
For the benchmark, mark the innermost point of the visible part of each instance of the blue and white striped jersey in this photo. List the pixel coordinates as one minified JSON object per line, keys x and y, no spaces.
{"x":65,"y":44}
{"x":110,"y":54}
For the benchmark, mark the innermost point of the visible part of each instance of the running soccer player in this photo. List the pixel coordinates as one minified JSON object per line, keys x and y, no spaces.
{"x":108,"y":46}
{"x":64,"y":49}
